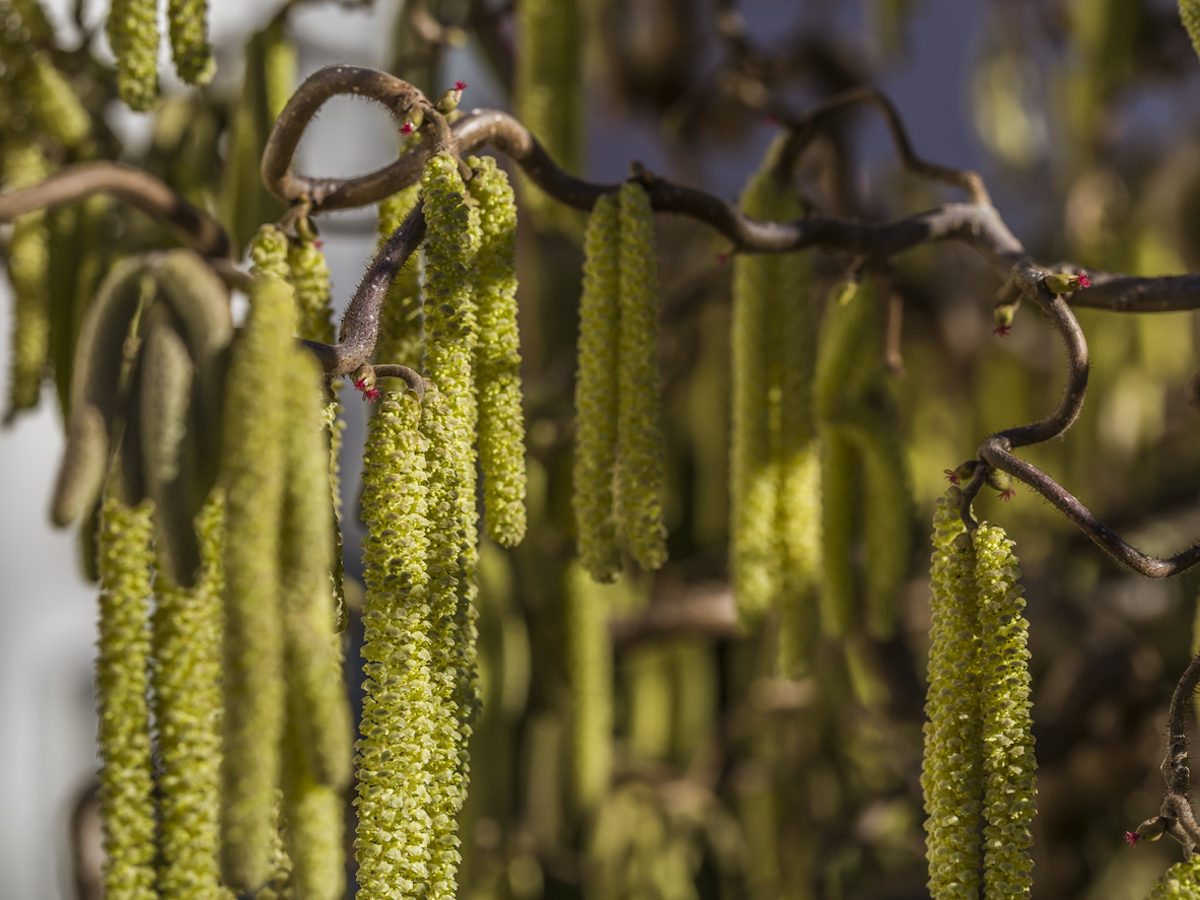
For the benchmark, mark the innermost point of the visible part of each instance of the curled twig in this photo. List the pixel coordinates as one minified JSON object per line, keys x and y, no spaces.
{"x":1177,"y":804}
{"x":194,"y":227}
{"x":416,"y":383}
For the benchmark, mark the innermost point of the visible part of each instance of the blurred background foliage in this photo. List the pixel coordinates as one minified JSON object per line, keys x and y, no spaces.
{"x":727,"y":779}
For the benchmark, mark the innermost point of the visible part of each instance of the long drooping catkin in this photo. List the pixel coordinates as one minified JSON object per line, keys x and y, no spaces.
{"x":596,"y":395}
{"x":133,"y":35}
{"x":188,"y":630}
{"x":448,"y":421}
{"x":775,"y":522}
{"x":123,"y":735}
{"x":1008,"y":759}
{"x":498,"y":356}
{"x":953,"y":768}
{"x":398,"y":716}
{"x":253,"y":477}
{"x":269,"y":252}
{"x":25,"y":164}
{"x":190,"y":49}
{"x":400,"y":322}
{"x":590,"y":659}
{"x":548,"y":88}
{"x":639,"y":483}
{"x":308,"y":273}
{"x":1182,"y":880}
{"x":1189,"y":13}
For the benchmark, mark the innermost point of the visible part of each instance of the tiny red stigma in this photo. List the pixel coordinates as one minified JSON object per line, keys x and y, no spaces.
{"x":1002,"y":330}
{"x":1084,"y":281}
{"x":460,"y":85}
{"x":950,"y":476}
{"x":1132,"y":837}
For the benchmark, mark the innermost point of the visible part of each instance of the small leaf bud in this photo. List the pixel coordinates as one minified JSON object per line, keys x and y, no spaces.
{"x":1062,"y":283}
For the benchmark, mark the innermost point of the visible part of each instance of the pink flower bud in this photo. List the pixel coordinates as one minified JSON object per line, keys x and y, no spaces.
{"x":1131,"y":838}
{"x":460,"y":85}
{"x":1084,"y":281}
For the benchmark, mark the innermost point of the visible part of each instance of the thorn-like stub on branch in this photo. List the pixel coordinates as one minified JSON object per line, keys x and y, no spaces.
{"x":1152,"y":829}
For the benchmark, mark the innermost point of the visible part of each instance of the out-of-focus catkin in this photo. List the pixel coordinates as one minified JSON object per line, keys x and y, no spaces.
{"x":123,"y":734}
{"x":639,"y":485}
{"x":133,"y":35}
{"x":188,"y":20}
{"x":596,"y":395}
{"x":590,"y":665}
{"x":253,"y":477}
{"x":498,"y":356}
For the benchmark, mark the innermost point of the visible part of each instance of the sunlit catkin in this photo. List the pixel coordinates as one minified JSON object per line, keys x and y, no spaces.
{"x":398,"y":714}
{"x":448,"y":421}
{"x":952,"y":776}
{"x":498,"y":356}
{"x":1008,"y":758}
{"x":253,"y":477}
{"x":123,"y":733}
{"x":639,"y":485}
{"x":596,"y":395}
{"x":308,"y":273}
{"x":25,"y":164}
{"x":590,"y":665}
{"x":190,"y":49}
{"x":133,"y":35}
{"x":188,"y":628}
{"x":400,"y":320}
{"x":269,"y":253}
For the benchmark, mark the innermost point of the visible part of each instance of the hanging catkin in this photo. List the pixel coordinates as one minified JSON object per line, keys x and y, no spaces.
{"x":253,"y":477}
{"x":1180,"y":882}
{"x":126,"y":783}
{"x":952,"y":777}
{"x":639,"y":484}
{"x":548,"y":90}
{"x":188,"y":629}
{"x":596,"y":395}
{"x":448,"y":421}
{"x":1189,"y":12}
{"x":498,"y":356}
{"x":590,"y":664}
{"x":190,"y":49}
{"x":394,"y":778}
{"x":269,"y":253}
{"x":25,"y":164}
{"x":1008,"y":759}
{"x":308,"y":274}
{"x":133,"y":35}
{"x":401,"y":319}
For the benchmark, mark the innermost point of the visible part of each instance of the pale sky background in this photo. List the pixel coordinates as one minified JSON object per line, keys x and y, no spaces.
{"x":47,"y":751}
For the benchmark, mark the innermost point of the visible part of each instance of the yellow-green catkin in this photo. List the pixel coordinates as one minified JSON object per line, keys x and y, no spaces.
{"x":188,"y":630}
{"x":400,"y":321}
{"x":448,"y":421}
{"x":133,"y":35}
{"x":549,"y":83}
{"x":308,"y":273}
{"x":190,"y":49}
{"x":1008,"y":759}
{"x":126,"y":782}
{"x":312,"y":652}
{"x":253,"y":478}
{"x":498,"y":356}
{"x":847,"y":323}
{"x":269,"y":253}
{"x":590,"y":665}
{"x":53,"y":104}
{"x":639,"y":483}
{"x":952,"y":775}
{"x":1189,"y":12}
{"x":395,"y":777}
{"x":596,"y":395}
{"x":1180,"y":882}
{"x":27,"y":260}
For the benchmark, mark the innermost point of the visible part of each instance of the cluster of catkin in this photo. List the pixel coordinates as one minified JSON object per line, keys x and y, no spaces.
{"x":419,"y":504}
{"x":816,"y":461}
{"x":618,"y":480}
{"x":53,"y":258}
{"x":218,"y":644}
{"x":132,"y":30}
{"x":979,"y":764}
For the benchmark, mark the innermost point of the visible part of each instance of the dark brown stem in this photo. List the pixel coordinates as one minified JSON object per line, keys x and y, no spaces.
{"x":416,"y":383}
{"x":194,"y":227}
{"x":1177,"y":804}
